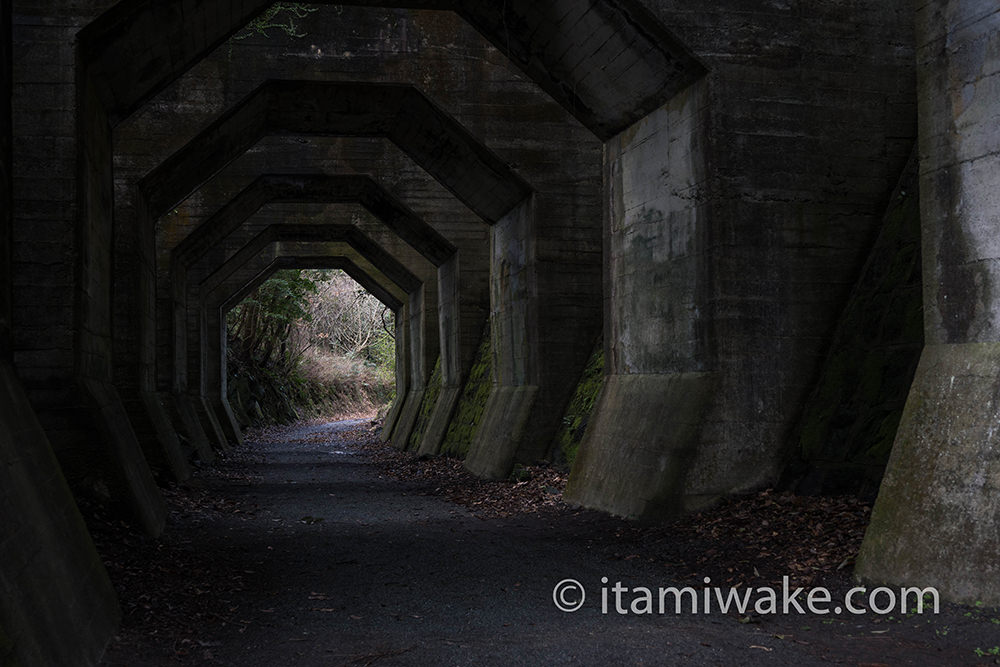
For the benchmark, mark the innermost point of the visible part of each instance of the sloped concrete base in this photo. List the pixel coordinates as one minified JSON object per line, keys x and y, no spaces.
{"x":126,"y":462}
{"x":227,"y":419}
{"x":407,"y":418}
{"x":437,"y":426}
{"x":190,"y":426}
{"x":57,"y":606}
{"x":210,"y":423}
{"x":501,"y":431}
{"x":936,"y":521}
{"x":392,"y":416}
{"x":636,"y":454}
{"x":166,"y":437}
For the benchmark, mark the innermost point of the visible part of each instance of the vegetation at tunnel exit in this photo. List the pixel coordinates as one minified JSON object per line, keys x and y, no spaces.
{"x":308,"y":343}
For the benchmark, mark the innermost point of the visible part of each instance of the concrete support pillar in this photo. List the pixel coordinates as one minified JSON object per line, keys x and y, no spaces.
{"x":52,"y":582}
{"x":937,"y":518}
{"x":637,"y":457}
{"x":514,"y":335}
{"x":63,"y":345}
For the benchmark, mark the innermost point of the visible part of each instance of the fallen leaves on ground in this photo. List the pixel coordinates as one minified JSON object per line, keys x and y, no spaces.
{"x":168,"y":588}
{"x":756,"y":538}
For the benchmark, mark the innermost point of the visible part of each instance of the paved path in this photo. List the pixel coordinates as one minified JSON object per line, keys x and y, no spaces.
{"x":342,"y":566}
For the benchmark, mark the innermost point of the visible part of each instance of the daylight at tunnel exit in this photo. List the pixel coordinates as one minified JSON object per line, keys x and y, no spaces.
{"x":460,"y":332}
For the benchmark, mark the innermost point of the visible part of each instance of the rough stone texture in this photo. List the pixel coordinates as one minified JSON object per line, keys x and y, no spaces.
{"x":849,"y":422}
{"x":936,"y":521}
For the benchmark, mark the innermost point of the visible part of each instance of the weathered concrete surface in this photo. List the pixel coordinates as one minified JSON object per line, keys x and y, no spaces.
{"x":738,"y":217}
{"x":643,"y":480}
{"x":935,"y":522}
{"x":6,"y":180}
{"x":61,"y":314}
{"x":845,"y":435}
{"x":402,"y":375}
{"x":607,"y":61}
{"x":655,"y":318}
{"x":52,"y":582}
{"x":937,"y":518}
{"x":504,"y":425}
{"x":567,"y":244}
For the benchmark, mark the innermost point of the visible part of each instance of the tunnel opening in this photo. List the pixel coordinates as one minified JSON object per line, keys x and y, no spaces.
{"x":309,"y":343}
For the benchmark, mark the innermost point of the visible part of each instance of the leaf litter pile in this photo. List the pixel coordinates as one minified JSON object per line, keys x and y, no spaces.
{"x":169,"y":588}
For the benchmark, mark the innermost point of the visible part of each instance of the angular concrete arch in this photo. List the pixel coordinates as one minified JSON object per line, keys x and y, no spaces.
{"x":360,"y":276}
{"x":398,"y":112}
{"x":441,"y":294}
{"x":212,"y":233}
{"x":381,"y":245}
{"x":608,"y":62}
{"x":446,"y":151}
{"x":404,"y":285}
{"x":226,"y":293}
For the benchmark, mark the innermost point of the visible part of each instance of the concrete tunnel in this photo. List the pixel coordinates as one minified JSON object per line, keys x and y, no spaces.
{"x":719,"y":197}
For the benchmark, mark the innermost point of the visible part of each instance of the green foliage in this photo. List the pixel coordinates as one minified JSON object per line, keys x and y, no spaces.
{"x":260,"y":326}
{"x":280,"y":16}
{"x":283,"y":357}
{"x":577,"y":416}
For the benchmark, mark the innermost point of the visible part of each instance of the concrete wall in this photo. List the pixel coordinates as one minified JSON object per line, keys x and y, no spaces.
{"x":568,"y":239}
{"x":935,"y":522}
{"x":52,"y":583}
{"x":843,"y":440}
{"x":777,"y":183}
{"x":62,"y":271}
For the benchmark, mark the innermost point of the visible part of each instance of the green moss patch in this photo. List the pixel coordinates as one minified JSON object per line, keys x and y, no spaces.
{"x":581,"y":406}
{"x":472,"y":403}
{"x":431,"y":394}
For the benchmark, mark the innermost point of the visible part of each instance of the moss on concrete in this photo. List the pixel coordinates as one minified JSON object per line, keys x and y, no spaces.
{"x":849,"y":423}
{"x":472,"y":404}
{"x":581,"y":406}
{"x":431,"y":394}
